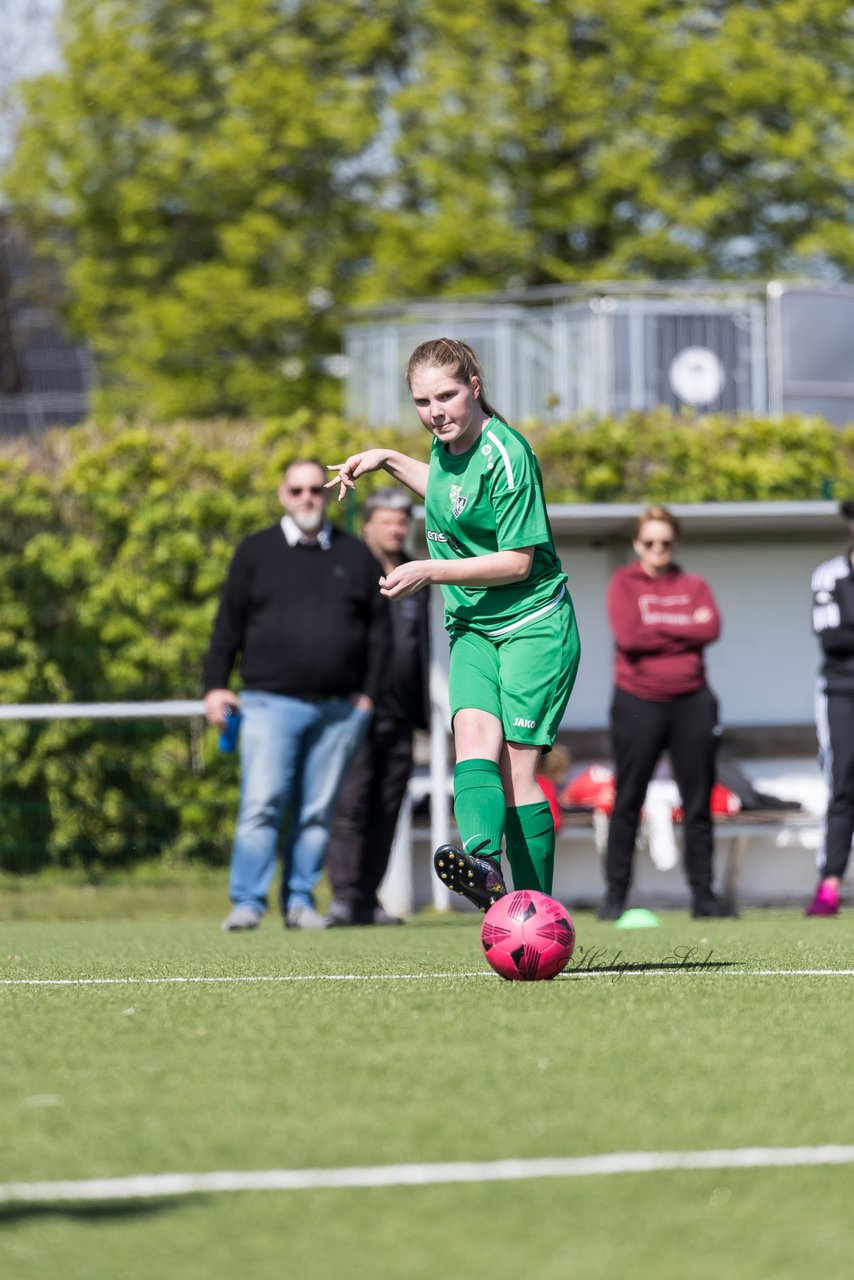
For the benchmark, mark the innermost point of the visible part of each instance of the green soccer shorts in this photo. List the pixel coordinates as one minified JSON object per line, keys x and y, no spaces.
{"x":524,"y":679}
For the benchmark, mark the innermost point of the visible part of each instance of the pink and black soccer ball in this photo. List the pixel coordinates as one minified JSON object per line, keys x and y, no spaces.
{"x":527,"y":935}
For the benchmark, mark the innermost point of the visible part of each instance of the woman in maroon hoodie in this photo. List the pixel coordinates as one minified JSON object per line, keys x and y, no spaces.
{"x":662,"y":619}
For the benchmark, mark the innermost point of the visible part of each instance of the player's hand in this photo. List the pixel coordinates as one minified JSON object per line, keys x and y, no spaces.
{"x":216,"y":700}
{"x":358,"y":464}
{"x":406,"y":579}
{"x":703,"y":614}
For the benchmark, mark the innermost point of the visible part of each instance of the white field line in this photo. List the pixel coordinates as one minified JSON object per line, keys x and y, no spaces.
{"x":155,"y":1185}
{"x":603,"y":971}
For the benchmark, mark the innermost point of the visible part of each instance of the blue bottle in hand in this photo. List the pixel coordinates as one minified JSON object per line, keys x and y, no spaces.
{"x":228,"y":736}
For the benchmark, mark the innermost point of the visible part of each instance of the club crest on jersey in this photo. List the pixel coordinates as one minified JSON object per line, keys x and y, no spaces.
{"x":458,"y":502}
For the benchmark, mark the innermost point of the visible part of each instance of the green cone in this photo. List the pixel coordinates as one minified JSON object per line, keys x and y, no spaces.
{"x":638,"y":918}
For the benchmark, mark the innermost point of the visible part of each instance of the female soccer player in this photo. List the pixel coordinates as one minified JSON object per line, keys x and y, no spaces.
{"x":514,"y":640}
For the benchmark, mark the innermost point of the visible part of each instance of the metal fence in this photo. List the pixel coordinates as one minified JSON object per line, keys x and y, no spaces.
{"x":514,"y":346}
{"x":553,"y":353}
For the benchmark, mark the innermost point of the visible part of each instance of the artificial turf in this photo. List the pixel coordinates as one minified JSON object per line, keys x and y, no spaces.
{"x":369,"y":1047}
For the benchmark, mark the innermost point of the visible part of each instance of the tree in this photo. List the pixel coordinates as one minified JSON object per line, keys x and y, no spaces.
{"x":195,"y":158}
{"x":28,"y":49}
{"x":545,"y":141}
{"x":224,"y":177}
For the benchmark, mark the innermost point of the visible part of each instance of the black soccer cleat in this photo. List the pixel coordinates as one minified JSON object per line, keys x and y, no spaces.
{"x":478,"y":879}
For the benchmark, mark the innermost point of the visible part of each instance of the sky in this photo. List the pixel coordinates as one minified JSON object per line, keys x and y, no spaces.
{"x":28,"y":48}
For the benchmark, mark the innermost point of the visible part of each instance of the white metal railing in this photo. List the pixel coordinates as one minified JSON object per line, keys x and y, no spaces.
{"x":100,"y":710}
{"x":397,"y":889}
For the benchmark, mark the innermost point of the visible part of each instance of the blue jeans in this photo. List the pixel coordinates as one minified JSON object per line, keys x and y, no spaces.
{"x":293,"y":758}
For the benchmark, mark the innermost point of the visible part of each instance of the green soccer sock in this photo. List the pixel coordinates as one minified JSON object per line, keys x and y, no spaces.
{"x":531,"y":846}
{"x":479,"y":806}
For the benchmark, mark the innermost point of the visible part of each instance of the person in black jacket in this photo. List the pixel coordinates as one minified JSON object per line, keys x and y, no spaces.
{"x":302,"y":606}
{"x":373,"y":791}
{"x":833,"y":624}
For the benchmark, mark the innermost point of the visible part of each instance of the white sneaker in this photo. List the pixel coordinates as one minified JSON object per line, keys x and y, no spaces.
{"x":304,"y":917}
{"x":241,"y":918}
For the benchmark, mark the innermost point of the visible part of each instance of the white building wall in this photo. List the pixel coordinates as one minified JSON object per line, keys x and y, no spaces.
{"x":758,"y":559}
{"x":764,"y":666}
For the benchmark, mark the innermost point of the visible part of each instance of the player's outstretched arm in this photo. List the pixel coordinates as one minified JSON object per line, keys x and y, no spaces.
{"x":400,"y":466}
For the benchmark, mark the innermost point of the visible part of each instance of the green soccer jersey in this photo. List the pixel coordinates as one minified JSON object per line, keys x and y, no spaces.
{"x":489,"y":499}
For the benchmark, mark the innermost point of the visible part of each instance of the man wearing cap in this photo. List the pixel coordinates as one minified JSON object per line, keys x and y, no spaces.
{"x":833,"y":623}
{"x":369,"y":803}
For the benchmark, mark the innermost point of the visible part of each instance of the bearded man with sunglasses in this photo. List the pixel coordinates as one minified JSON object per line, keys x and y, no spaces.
{"x":302,"y":606}
{"x":662,"y":619}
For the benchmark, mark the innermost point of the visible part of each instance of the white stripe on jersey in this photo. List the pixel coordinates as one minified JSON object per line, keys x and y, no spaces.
{"x":531,"y":617}
{"x":825,"y":609}
{"x":826,"y":617}
{"x":826,"y":576}
{"x":511,"y":484}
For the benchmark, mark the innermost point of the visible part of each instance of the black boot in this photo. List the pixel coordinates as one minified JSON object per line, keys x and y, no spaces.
{"x":708,"y":905}
{"x":478,"y":879}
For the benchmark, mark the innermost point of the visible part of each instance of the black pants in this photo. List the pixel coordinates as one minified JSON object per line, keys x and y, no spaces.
{"x":368,"y":805}
{"x":640,"y":731}
{"x":838,"y":761}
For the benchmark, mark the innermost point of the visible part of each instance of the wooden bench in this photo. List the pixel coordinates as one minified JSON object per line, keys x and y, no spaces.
{"x":753,"y":824}
{"x":734,"y":835}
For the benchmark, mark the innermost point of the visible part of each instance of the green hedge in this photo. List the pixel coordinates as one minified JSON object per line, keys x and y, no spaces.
{"x":114,"y":541}
{"x":654,"y":457}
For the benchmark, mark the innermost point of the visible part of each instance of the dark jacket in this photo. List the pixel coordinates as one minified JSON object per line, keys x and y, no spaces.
{"x":833,"y":622}
{"x":307,"y":622}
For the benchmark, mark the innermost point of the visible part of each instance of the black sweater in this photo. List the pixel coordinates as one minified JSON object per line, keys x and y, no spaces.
{"x":833,"y":622}
{"x":308,"y":623}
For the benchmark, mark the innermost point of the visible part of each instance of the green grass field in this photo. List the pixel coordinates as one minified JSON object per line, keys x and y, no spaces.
{"x":398,"y":1047}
